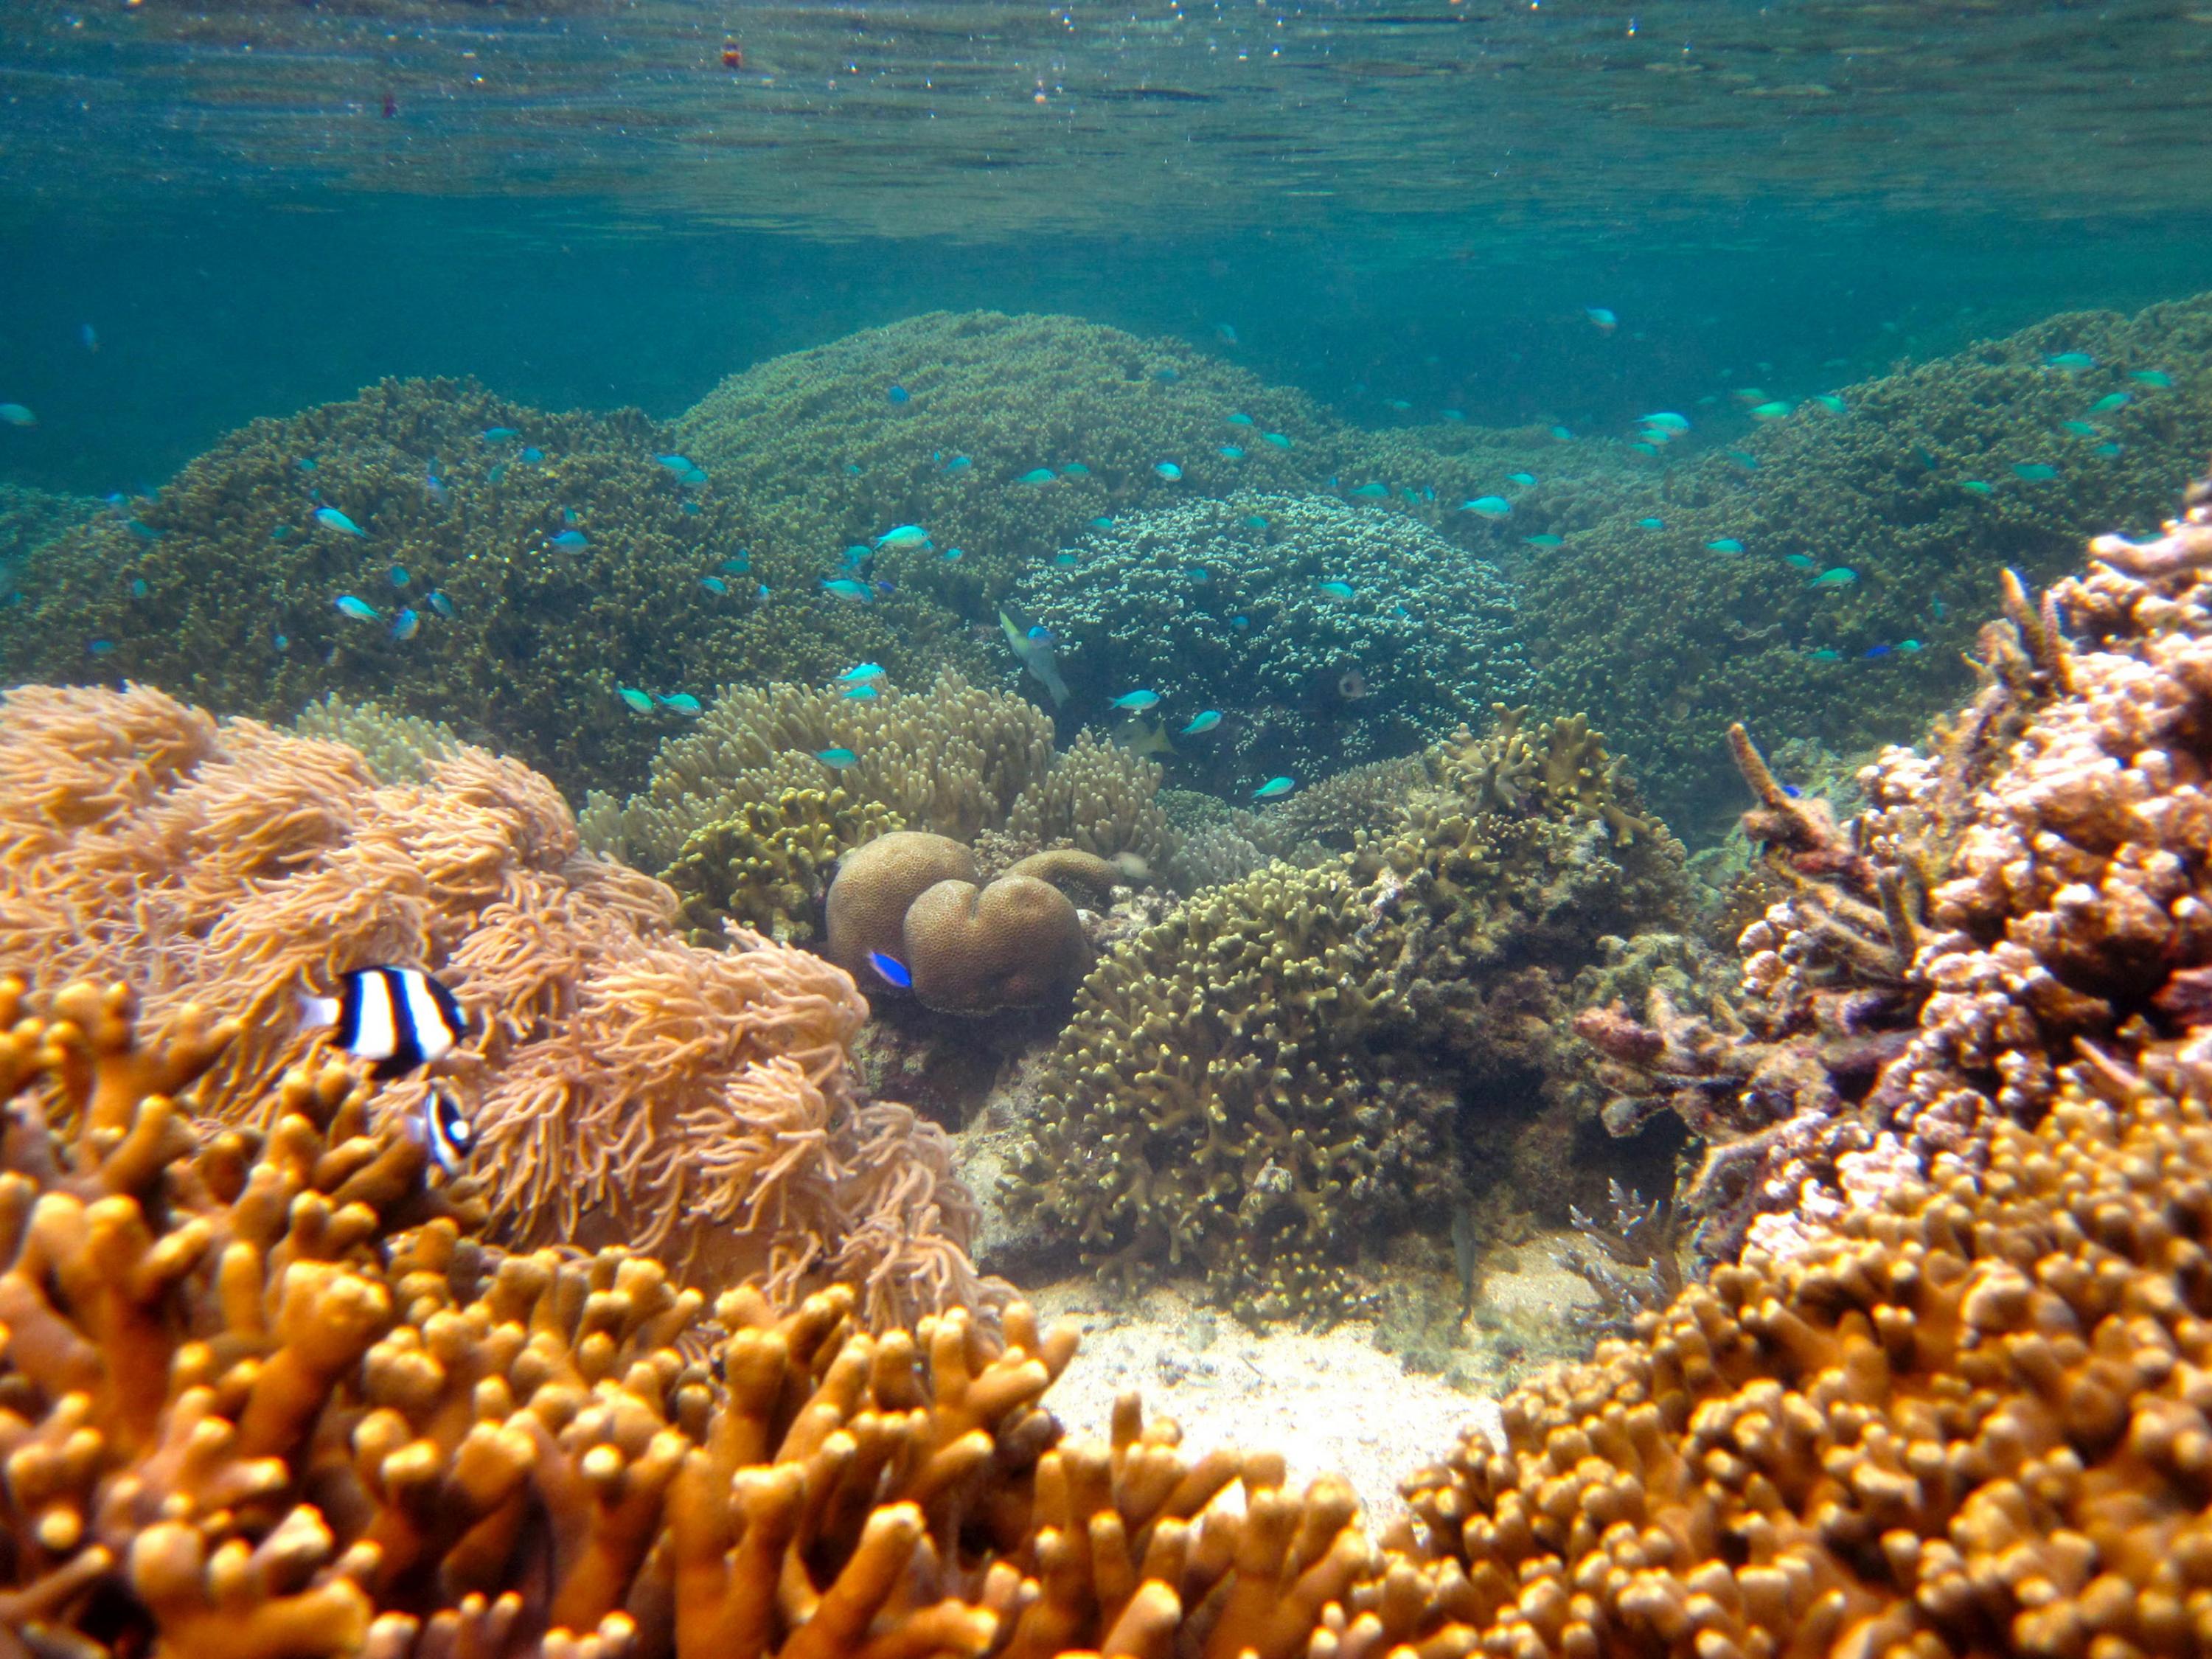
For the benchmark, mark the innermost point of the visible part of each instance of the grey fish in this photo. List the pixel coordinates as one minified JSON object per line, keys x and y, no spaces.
{"x":1036,"y":655}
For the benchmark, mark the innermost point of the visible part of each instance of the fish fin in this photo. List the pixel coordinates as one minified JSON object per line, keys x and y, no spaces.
{"x":315,"y":1013}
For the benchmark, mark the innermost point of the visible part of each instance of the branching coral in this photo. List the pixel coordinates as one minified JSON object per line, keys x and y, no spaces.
{"x":265,"y":1396}
{"x":1933,"y":480}
{"x":1270,"y":1075}
{"x":696,"y":1103}
{"x":568,"y":563}
{"x":1330,"y":634}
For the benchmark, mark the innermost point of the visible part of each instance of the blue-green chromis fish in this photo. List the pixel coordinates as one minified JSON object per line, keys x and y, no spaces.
{"x":1829,"y":401}
{"x":861,"y":693}
{"x":1136,"y":700}
{"x":1075,"y":469}
{"x":1524,"y":479}
{"x":1279,"y":440}
{"x":2157,"y":377}
{"x":1487,"y":506}
{"x":1169,"y":471}
{"x":330,"y":519}
{"x":1773,"y":411}
{"x":844,"y":587}
{"x":1979,"y":486}
{"x":1043,"y":475}
{"x":636,"y":699}
{"x":1206,"y":723}
{"x":2079,"y":429}
{"x":837,"y":758}
{"x":405,"y":625}
{"x":1374,"y":491}
{"x":2035,"y":472}
{"x":682,"y":702}
{"x":1240,"y":419}
{"x":1546,"y":540}
{"x":715,"y":585}
{"x":904,"y":535}
{"x":1274,"y":789}
{"x":1230,"y":452}
{"x":1725,"y":544}
{"x":862,"y":670}
{"x":2072,"y":362}
{"x":359,"y":609}
{"x":1841,"y":576}
{"x":1335,"y":590}
{"x":572,"y":541}
{"x":2109,"y":402}
{"x":1651,"y":524}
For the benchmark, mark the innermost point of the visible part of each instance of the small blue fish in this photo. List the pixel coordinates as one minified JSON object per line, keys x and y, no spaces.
{"x":1908,"y":645}
{"x":1488,"y":507}
{"x":904,"y":535}
{"x":837,"y":759}
{"x":572,"y":541}
{"x":1829,"y":401}
{"x":1205,"y":722}
{"x":1773,"y":411}
{"x":399,"y":574}
{"x":1334,"y":590}
{"x":1278,"y":439}
{"x":2157,"y":377}
{"x":1075,"y":469}
{"x":437,"y":601}
{"x":570,"y":515}
{"x":1274,"y":789}
{"x":138,"y":589}
{"x":1524,"y":479}
{"x":682,"y":702}
{"x":959,"y":464}
{"x":951,"y":553}
{"x":1230,"y":452}
{"x":533,"y":456}
{"x":2071,"y":363}
{"x":2079,"y":429}
{"x":1666,"y":420}
{"x":1651,"y":524}
{"x":852,"y":468}
{"x":1167,"y":377}
{"x":1227,"y":331}
{"x":1168,"y":469}
{"x":1562,"y":434}
{"x":1978,"y":487}
{"x":495,"y":474}
{"x":1873,"y":651}
{"x":1239,"y":419}
{"x":855,"y":556}
{"x":896,"y":394}
{"x":861,"y":693}
{"x":2034,"y":471}
{"x":844,"y":587}
{"x":675,"y":463}
{"x":1841,"y":576}
{"x":2109,"y":402}
{"x":405,"y":625}
{"x":1453,"y":414}
{"x":1253,"y":521}
{"x":739,"y":565}
{"x":99,"y":648}
{"x":330,"y":519}
{"x":639,"y":702}
{"x":1137,"y":701}
{"x":17,"y":415}
{"x":1101,"y":523}
{"x":715,"y":585}
{"x":1040,"y":634}
{"x":1373,"y":492}
{"x":1801,"y":561}
{"x":1602,"y":317}
{"x":1748,"y":462}
{"x":1064,"y":560}
{"x":1240,"y":622}
{"x":1042,"y":475}
{"x":893,"y":970}
{"x":307,"y":463}
{"x":498,"y":434}
{"x":1546,"y":540}
{"x":1725,"y":544}
{"x":359,"y":609}
{"x":435,"y":491}
{"x":1792,"y":791}
{"x":1645,"y":448}
{"x":1825,"y":655}
{"x":2105,"y":451}
{"x":695,"y":476}
{"x":861,"y":671}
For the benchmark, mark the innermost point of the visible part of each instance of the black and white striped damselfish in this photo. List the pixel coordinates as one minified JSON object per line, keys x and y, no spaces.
{"x":396,"y":1018}
{"x":447,"y":1134}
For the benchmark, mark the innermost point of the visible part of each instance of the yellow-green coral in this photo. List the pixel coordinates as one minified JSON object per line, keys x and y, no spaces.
{"x":768,"y":867}
{"x":1267,"y":1078}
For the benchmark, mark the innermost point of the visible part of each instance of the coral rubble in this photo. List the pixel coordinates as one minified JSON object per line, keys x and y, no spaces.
{"x":1273,"y":1074}
{"x":625,"y":1086}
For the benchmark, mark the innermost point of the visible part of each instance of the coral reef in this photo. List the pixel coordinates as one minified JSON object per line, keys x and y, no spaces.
{"x":1931,"y":481}
{"x":1328,"y":634}
{"x":568,"y":563}
{"x":1275,"y":1073}
{"x":2038,"y":883}
{"x":29,"y":519}
{"x":736,"y":819}
{"x":697,"y":1105}
{"x":263,"y":1395}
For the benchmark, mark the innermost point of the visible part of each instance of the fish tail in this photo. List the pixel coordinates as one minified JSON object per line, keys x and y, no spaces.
{"x":316,"y":1013}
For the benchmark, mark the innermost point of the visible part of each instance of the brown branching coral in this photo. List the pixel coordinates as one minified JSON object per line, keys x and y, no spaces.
{"x":625,"y":1086}
{"x":264,"y":1395}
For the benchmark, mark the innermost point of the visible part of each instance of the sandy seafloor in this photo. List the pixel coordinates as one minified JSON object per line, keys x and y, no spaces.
{"x":1330,"y":1403}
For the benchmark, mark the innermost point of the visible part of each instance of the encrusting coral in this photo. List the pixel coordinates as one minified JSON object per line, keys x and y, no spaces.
{"x":1271,"y":1075}
{"x":698,"y":1105}
{"x":519,"y":570}
{"x":1328,"y":633}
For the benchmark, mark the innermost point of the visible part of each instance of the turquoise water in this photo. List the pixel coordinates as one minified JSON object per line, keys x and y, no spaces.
{"x":583,"y":206}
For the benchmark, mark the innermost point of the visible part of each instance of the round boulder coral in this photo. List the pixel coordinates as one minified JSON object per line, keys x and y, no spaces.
{"x":1017,"y":943}
{"x":1321,"y":633}
{"x":866,"y":909}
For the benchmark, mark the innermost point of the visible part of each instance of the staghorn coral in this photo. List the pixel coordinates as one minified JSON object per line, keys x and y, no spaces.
{"x":1668,"y":641}
{"x":1271,"y":1075}
{"x":265,"y":1396}
{"x":1228,"y":606}
{"x":624,"y":1085}
{"x":29,"y":519}
{"x":563,"y":578}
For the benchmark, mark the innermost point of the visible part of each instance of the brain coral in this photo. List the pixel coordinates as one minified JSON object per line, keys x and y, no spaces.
{"x":696,"y":1103}
{"x":1269,"y":1077}
{"x":1328,"y":633}
{"x":567,"y":564}
{"x":1667,"y":639}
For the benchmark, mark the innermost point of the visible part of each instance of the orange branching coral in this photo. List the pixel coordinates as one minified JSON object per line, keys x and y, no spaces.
{"x":265,"y":1396}
{"x":626,"y":1086}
